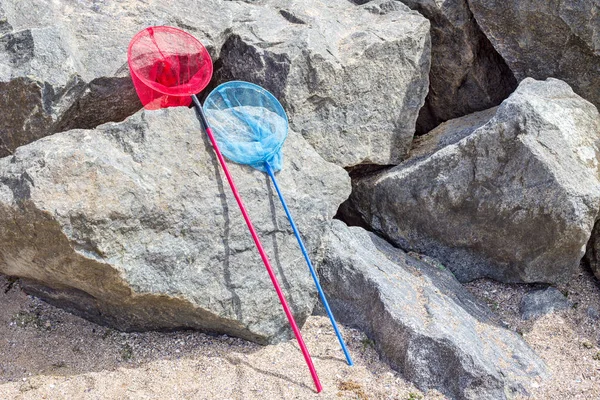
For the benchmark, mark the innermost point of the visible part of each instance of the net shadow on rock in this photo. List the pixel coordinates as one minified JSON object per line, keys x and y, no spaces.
{"x":226,"y":227}
{"x":274,"y":257}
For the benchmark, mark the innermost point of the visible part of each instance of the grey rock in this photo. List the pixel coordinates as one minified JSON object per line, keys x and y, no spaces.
{"x":133,"y":225}
{"x":542,"y":39}
{"x":514,"y":201}
{"x":467,"y":74}
{"x":5,"y":26}
{"x":423,"y":322}
{"x":37,"y":81}
{"x":593,"y":313}
{"x":351,"y":78}
{"x":64,"y":65}
{"x":447,"y":133}
{"x":541,"y":302}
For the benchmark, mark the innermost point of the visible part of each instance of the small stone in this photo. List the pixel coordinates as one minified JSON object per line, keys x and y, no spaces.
{"x":593,"y":313}
{"x":541,"y":302}
{"x":588,"y":345}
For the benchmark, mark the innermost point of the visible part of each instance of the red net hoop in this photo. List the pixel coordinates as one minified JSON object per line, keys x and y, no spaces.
{"x":167,"y":66}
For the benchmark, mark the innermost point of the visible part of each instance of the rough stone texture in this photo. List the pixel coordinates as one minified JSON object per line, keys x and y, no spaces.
{"x":541,"y":302}
{"x":447,"y":133}
{"x":352,"y":78}
{"x":541,"y":39}
{"x":133,"y":225}
{"x":514,"y":201}
{"x":423,"y":146}
{"x":422,"y":320}
{"x":63,"y":64}
{"x":593,"y":313}
{"x":467,"y":74}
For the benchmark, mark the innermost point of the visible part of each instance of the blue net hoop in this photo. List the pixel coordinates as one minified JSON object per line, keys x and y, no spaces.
{"x":248,"y":122}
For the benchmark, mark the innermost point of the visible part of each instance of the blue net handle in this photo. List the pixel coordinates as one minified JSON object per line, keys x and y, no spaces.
{"x":250,"y":127}
{"x":312,"y":270}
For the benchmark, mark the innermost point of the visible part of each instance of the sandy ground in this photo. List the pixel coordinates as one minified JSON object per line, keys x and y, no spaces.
{"x":46,"y":353}
{"x":568,"y":341}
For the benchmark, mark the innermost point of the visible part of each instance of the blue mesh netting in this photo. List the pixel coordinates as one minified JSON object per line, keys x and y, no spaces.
{"x":248,"y":122}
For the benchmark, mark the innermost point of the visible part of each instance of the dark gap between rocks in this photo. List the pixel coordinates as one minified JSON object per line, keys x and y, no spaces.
{"x":291,"y":17}
{"x":359,"y":2}
{"x":347,"y":213}
{"x":497,"y":79}
{"x":38,"y":109}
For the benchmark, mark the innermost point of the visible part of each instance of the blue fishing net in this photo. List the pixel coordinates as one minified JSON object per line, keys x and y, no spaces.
{"x":248,"y":122}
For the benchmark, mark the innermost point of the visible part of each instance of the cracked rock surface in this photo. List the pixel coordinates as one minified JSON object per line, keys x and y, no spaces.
{"x":133,"y":225}
{"x":422,"y":320}
{"x":515,"y":200}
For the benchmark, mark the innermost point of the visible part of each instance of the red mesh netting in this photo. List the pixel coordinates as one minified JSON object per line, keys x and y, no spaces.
{"x":167,"y":66}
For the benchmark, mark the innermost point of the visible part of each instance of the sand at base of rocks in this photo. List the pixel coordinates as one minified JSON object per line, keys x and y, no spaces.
{"x":568,"y":341}
{"x":47,"y":353}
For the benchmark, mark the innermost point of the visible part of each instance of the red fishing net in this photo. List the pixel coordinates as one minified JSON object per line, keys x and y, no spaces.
{"x":167,"y":66}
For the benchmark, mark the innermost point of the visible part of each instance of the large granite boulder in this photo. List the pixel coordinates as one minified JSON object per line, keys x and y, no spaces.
{"x":133,"y":225}
{"x":467,"y":74}
{"x":541,"y":39}
{"x":515,"y":200}
{"x":351,"y":78}
{"x":422,"y":320}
